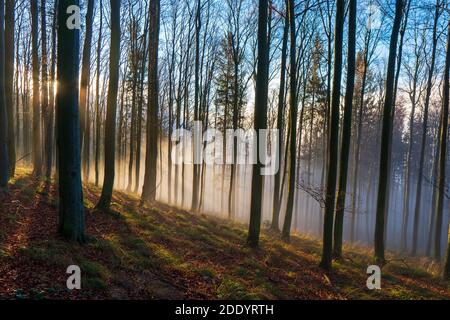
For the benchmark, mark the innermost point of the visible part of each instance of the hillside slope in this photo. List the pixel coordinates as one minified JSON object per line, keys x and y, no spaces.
{"x":166,"y":253}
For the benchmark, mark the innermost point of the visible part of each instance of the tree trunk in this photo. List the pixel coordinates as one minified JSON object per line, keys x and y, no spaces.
{"x":385,"y":139}
{"x":292,"y":123}
{"x":281,"y":105}
{"x":151,"y":157}
{"x":85,"y":79}
{"x":71,"y":209}
{"x":260,"y":121}
{"x":97,"y":100}
{"x":196,"y":171}
{"x":333,"y":139}
{"x":418,"y":204}
{"x":9,"y":81}
{"x":110,"y":125}
{"x":347,"y":131}
{"x":442,"y":159}
{"x":4,"y":168}
{"x":442,"y":163}
{"x":37,"y":150}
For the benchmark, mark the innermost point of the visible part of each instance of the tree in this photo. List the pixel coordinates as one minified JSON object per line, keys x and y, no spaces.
{"x":48,"y":123}
{"x":260,"y":121}
{"x":97,"y":98}
{"x":197,"y":116}
{"x":4,"y":168}
{"x":37,"y":150}
{"x":149,"y":189}
{"x":85,"y":78}
{"x":281,"y":105}
{"x":9,"y":81}
{"x":385,"y":138}
{"x":110,"y":125}
{"x":442,"y":160}
{"x":71,"y":209}
{"x":333,"y":139}
{"x":292,"y":124}
{"x":347,"y":131}
{"x":432,"y":64}
{"x":443,"y":134}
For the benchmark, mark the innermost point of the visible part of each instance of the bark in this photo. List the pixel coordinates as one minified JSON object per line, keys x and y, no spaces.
{"x":71,"y":209}
{"x":281,"y":104}
{"x":333,"y":139}
{"x":149,"y":190}
{"x":9,"y":83}
{"x":418,"y":204}
{"x":110,"y":125}
{"x":442,"y":160}
{"x":37,"y":150}
{"x":85,"y":79}
{"x":347,"y":131}
{"x":260,"y":121}
{"x":386,"y":137}
{"x":4,"y":168}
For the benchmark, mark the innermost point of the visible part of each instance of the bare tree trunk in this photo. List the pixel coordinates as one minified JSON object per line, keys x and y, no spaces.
{"x":9,"y":83}
{"x":442,"y":163}
{"x":418,"y":204}
{"x":347,"y":131}
{"x":4,"y":165}
{"x":85,"y":79}
{"x":333,"y":139}
{"x":71,"y":209}
{"x":97,"y":99}
{"x":110,"y":125}
{"x":260,"y":120}
{"x":37,"y":150}
{"x":149,"y":190}
{"x":386,"y":137}
{"x":281,"y":105}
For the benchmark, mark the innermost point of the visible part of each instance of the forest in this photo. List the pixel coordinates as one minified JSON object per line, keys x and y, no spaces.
{"x":224,"y":149}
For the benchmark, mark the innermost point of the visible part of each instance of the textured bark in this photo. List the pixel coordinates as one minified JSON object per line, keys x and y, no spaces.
{"x":4,"y":168}
{"x":110,"y":125}
{"x":347,"y":131}
{"x":196,"y":171}
{"x":97,"y":100}
{"x":71,"y":210}
{"x":260,"y":122}
{"x":37,"y":150}
{"x":151,"y":157}
{"x":292,"y":123}
{"x":85,"y":78}
{"x":418,"y":203}
{"x":386,"y":137}
{"x":9,"y":83}
{"x":281,"y":105}
{"x":333,"y":139}
{"x":443,"y":134}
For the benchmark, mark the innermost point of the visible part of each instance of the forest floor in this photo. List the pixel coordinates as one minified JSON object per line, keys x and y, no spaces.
{"x":166,"y":253}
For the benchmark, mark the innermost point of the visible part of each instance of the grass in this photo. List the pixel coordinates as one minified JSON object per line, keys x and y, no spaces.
{"x":159,"y":252}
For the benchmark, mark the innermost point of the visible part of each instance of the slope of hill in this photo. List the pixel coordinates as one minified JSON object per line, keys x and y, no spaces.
{"x":165,"y":253}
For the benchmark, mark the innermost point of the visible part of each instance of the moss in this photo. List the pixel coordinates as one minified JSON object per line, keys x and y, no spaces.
{"x":92,"y":268}
{"x":233,"y":289}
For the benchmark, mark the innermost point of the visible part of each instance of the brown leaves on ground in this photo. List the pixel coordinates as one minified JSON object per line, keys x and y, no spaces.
{"x":160,"y":252}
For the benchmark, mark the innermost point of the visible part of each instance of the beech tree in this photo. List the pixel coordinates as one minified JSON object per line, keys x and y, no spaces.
{"x":149,"y":189}
{"x":333,"y":139}
{"x":110,"y":125}
{"x":4,"y":165}
{"x":387,"y":123}
{"x":71,"y":208}
{"x":260,"y":121}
